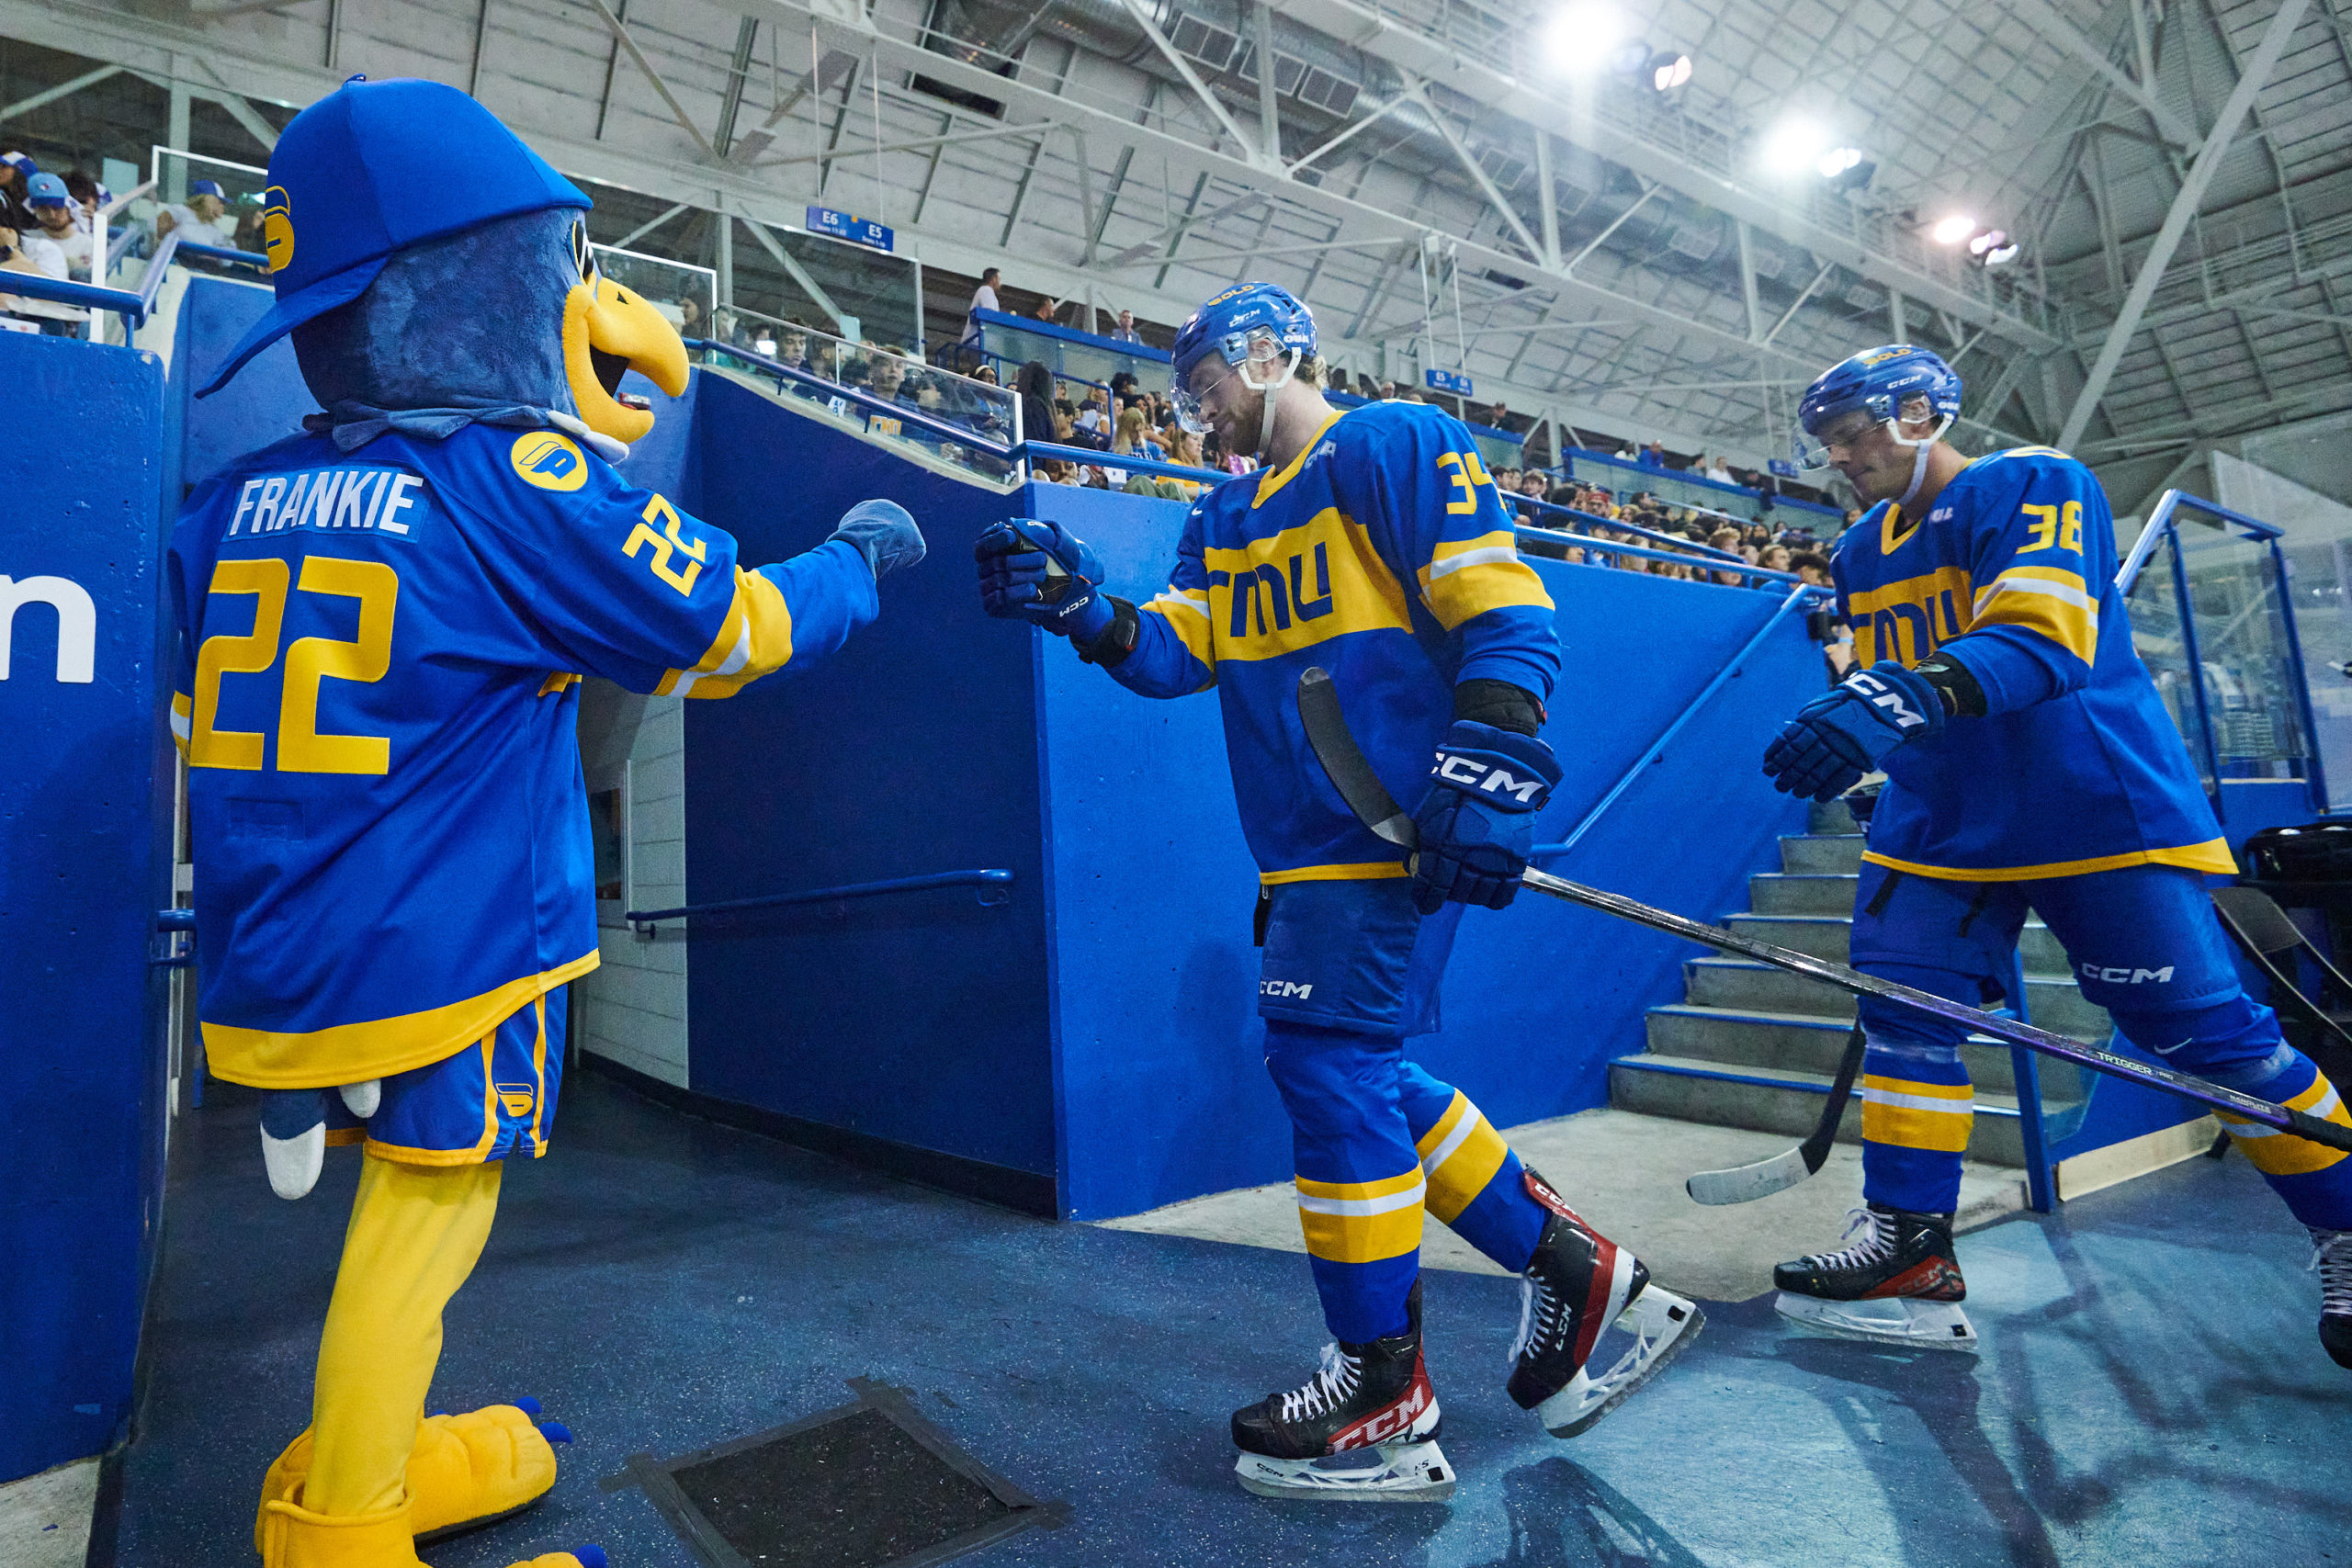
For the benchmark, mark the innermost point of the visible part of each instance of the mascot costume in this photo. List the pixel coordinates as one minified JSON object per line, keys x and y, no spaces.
{"x":383,"y":624}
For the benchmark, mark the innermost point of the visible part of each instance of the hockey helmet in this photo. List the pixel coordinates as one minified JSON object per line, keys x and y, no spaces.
{"x":1878,"y":382}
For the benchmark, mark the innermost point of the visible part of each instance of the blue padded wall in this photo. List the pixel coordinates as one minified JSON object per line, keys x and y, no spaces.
{"x":83,"y":864}
{"x":265,"y":404}
{"x":918,"y":1020}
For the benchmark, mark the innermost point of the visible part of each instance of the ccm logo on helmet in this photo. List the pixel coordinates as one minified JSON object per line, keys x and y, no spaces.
{"x":1285,"y":988}
{"x":1463,"y":772}
{"x":2125,"y":976}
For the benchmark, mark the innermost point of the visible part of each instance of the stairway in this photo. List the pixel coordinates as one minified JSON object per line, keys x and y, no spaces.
{"x":1754,"y":1046}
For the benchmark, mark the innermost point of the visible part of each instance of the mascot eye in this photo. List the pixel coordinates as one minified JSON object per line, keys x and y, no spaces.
{"x":583,"y":258}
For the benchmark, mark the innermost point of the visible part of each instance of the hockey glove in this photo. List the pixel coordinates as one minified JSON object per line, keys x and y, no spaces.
{"x":1478,"y":822}
{"x":1840,"y":735}
{"x":1041,"y":573}
{"x":884,"y":533}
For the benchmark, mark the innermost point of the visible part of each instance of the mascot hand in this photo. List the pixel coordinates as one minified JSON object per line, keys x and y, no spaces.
{"x":884,"y":533}
{"x":294,"y":1132}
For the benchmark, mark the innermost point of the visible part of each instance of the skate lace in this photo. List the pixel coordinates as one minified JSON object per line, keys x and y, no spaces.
{"x":1874,"y":1247}
{"x":2332,"y":1256}
{"x":1539,"y":1315}
{"x":1328,"y":1389}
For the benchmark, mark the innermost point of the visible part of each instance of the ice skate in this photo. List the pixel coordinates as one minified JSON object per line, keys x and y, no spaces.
{"x":1898,"y":1285}
{"x":1364,"y":1428}
{"x":2332,"y":1256}
{"x":1578,"y":1284}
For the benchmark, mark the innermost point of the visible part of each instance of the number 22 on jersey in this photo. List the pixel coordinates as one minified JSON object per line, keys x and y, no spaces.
{"x":301,"y":749}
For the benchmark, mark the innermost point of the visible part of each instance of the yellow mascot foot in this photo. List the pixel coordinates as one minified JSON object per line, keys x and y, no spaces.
{"x":464,"y":1471}
{"x":293,"y":1537}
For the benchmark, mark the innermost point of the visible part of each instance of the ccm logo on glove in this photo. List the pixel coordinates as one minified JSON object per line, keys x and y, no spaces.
{"x":1464,"y":771}
{"x":1882,"y":695}
{"x":1285,"y":988}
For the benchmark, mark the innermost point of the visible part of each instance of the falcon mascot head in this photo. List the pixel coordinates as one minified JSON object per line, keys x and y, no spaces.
{"x":434,"y":272}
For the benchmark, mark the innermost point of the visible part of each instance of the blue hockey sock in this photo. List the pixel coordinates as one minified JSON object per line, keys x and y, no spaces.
{"x":1475,"y":1182}
{"x":1917,"y":1110}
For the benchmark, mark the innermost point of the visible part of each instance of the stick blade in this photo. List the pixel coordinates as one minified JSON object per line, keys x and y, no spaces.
{"x":1746,"y":1183}
{"x":1344,"y":761}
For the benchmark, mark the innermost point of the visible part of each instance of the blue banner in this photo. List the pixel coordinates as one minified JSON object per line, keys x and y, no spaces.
{"x":856,"y":230}
{"x":1452,"y":381}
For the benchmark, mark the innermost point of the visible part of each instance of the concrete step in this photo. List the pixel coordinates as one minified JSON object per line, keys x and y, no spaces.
{"x":1829,"y":934}
{"x":1830,"y":816}
{"x":1834,"y":854}
{"x":1775,"y":1042}
{"x":1782,"y":1101}
{"x":1748,"y":987}
{"x":1780,"y":893}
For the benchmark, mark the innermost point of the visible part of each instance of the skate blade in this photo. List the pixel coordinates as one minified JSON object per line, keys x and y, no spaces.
{"x":1899,"y":1320}
{"x":1662,"y":1325}
{"x":1392,"y":1472}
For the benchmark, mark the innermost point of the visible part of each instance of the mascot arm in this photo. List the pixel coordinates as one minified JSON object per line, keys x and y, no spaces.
{"x":625,"y":584}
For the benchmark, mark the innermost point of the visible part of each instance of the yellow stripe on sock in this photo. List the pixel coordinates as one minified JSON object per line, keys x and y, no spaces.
{"x":2274,"y":1152}
{"x":1360,"y":1222}
{"x":1461,"y":1154}
{"x":1906,"y":1113}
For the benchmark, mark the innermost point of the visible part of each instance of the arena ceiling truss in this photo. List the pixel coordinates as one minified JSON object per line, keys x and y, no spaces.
{"x":2176,"y":175}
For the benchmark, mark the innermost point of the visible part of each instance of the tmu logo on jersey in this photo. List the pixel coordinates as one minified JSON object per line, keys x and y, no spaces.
{"x":1303,"y":586}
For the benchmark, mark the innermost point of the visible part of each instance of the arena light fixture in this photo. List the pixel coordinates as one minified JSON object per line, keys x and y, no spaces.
{"x":1669,"y":71}
{"x":1794,"y":146}
{"x":2001,"y":255}
{"x":1991,"y":239}
{"x":1584,"y":36}
{"x":1837,"y":160}
{"x":1951,"y":231}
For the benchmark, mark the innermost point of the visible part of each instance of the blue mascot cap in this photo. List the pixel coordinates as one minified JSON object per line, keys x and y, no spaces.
{"x":375,"y":167}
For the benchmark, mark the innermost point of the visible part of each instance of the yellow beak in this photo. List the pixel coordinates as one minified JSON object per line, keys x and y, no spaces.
{"x":607,"y":334}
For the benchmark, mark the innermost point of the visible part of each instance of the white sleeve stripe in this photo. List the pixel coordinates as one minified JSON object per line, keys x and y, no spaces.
{"x":1179,"y":601}
{"x":179,"y":725}
{"x":1490,"y":555}
{"x":2064,"y":592}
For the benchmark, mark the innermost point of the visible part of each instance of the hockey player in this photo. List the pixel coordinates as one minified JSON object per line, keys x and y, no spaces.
{"x":383,"y":627}
{"x":1375,"y":546}
{"x":2030,"y":764}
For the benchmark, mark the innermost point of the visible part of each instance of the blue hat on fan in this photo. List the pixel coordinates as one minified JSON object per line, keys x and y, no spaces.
{"x":47,"y":190}
{"x":207,"y":187}
{"x":369,"y":170}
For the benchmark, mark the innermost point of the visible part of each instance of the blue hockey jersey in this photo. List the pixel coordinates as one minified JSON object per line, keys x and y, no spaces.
{"x":1381,"y":553}
{"x":378,"y":664}
{"x":2077,"y":767}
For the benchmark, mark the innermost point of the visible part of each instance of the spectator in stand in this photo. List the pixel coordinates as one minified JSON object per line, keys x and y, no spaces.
{"x":983,"y":299}
{"x":1388,"y":391}
{"x":17,"y":172}
{"x":43,"y":247}
{"x":986,"y":375}
{"x":197,"y":220}
{"x":1047,"y":309}
{"x":1133,"y":440}
{"x":1853,"y":515}
{"x":1091,"y":420}
{"x":1719,"y":469}
{"x":1774,"y":558}
{"x":1126,"y":330}
{"x":1035,"y":384}
{"x":1653,"y":456}
{"x":1497,"y":415}
{"x":57,"y":214}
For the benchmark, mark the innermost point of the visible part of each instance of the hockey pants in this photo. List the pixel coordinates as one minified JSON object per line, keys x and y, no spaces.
{"x":1349,"y":971}
{"x":2143,"y":944}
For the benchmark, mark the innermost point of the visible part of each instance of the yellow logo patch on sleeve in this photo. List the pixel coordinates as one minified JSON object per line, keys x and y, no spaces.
{"x":547,"y":460}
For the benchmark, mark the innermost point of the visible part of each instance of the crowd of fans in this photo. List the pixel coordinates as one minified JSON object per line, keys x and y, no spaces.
{"x":47,"y":224}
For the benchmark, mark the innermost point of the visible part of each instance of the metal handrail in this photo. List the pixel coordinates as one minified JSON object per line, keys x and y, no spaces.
{"x":1101,"y":459}
{"x":1805,"y":591}
{"x":989,"y":881}
{"x":963,"y":435}
{"x":1685,"y":544}
{"x":1673,"y":558}
{"x":227,"y":253}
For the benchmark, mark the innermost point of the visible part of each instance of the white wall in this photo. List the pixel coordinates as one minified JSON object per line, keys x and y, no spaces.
{"x":633,"y":1008}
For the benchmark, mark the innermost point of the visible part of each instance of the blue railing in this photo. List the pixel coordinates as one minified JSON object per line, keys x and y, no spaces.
{"x":992,"y":885}
{"x":1804,"y":594}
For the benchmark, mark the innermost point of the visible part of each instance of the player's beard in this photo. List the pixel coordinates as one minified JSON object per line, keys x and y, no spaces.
{"x":1238,"y":432}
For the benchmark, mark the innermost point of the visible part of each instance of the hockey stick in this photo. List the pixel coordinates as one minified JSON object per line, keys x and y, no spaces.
{"x":1368,"y":798}
{"x":1746,"y":1183}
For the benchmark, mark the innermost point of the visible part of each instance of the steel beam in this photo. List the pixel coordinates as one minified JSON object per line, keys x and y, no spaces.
{"x":620,"y":29}
{"x":2283,"y":23}
{"x":1495,"y":199}
{"x":47,"y":96}
{"x":1209,"y":100}
{"x":2048,"y":21}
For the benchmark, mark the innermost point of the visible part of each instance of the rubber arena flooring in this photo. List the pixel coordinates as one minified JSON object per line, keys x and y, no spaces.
{"x":2152,"y":1389}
